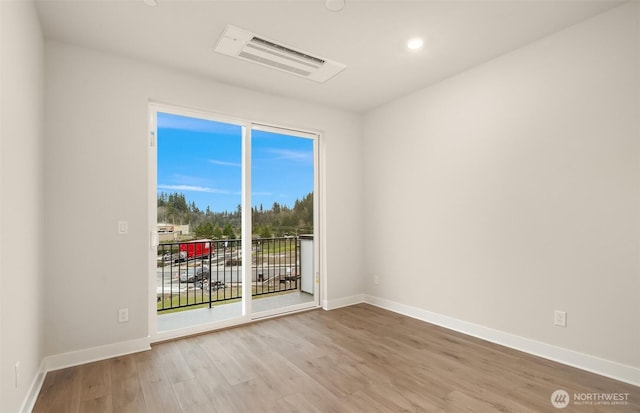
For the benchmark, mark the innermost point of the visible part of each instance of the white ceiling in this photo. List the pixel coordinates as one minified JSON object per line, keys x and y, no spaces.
{"x":368,"y":36}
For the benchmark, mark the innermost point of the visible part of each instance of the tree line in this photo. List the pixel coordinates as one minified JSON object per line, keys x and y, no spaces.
{"x":277,"y":221}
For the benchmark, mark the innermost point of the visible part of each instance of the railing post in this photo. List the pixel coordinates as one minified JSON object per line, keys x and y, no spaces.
{"x":278,"y":265}
{"x":212,"y":248}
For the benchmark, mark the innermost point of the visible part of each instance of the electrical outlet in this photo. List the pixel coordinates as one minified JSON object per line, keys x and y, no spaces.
{"x":560,"y":318}
{"x":123,"y":315}
{"x":123,"y":227}
{"x":16,"y":369}
{"x":376,"y":280}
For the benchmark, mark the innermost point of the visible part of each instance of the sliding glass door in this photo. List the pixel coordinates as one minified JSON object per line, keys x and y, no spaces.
{"x":234,"y":219}
{"x":199,"y":215}
{"x":283,"y":182}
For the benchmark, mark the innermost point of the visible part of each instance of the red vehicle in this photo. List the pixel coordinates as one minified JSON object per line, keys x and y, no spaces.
{"x":199,"y":248}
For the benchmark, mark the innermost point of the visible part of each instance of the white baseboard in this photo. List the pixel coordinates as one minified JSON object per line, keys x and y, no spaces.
{"x":30,"y":401}
{"x":607,"y":368}
{"x":75,"y":358}
{"x":343,"y":302}
{"x":88,"y":355}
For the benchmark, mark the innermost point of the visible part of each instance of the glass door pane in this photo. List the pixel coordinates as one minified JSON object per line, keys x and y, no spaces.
{"x":199,"y":256}
{"x":283,"y":215}
{"x":236,"y":215}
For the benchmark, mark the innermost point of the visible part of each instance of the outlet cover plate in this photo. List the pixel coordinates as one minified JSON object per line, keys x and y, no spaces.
{"x":560,"y":318}
{"x":123,"y":315}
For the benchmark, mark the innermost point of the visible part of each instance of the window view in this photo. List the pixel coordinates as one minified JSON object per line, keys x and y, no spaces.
{"x":282,"y":182}
{"x":199,"y":175}
{"x":199,"y":215}
{"x":282,"y":178}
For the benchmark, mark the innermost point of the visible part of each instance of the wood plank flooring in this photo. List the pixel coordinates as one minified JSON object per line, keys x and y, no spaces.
{"x":354,"y":359}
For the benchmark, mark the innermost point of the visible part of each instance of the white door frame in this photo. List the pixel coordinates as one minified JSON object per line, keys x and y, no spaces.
{"x":247,"y":315}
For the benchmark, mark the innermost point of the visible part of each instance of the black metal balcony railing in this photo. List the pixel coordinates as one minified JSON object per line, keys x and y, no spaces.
{"x":205,"y":272}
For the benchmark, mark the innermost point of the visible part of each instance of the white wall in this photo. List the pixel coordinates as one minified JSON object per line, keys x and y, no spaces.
{"x":494,"y":197}
{"x":513,"y":189}
{"x":96,"y":165}
{"x":21,"y":200}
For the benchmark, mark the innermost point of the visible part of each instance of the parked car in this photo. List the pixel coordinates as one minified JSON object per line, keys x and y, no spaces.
{"x":215,"y":286}
{"x":176,"y":257}
{"x":195,"y":274}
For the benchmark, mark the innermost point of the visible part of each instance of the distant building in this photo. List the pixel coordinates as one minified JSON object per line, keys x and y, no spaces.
{"x":171,"y":232}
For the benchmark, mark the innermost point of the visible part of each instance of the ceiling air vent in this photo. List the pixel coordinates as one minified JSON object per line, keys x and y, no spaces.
{"x":245,"y":45}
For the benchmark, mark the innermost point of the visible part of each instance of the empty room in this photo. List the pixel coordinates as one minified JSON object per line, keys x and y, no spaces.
{"x":319,"y":206}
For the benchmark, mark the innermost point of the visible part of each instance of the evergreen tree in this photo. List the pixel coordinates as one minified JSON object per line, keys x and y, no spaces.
{"x":228,"y":232}
{"x":265,"y":231}
{"x":217,"y":232}
{"x":279,"y":220}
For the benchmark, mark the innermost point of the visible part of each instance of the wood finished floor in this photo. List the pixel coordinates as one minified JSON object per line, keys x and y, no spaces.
{"x":353,"y":359}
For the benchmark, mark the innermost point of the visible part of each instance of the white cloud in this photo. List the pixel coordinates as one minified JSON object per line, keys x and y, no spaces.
{"x":224,"y":163}
{"x":300,"y":156}
{"x":192,"y":188}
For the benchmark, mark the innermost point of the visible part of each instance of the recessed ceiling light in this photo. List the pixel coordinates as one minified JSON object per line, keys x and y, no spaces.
{"x":151,"y":3}
{"x":334,"y":5}
{"x":415,"y":43}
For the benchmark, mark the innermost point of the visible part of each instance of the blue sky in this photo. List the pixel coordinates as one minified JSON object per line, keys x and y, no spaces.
{"x":202,"y":159}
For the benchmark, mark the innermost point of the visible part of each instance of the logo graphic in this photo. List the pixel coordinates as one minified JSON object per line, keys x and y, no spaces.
{"x":560,"y":399}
